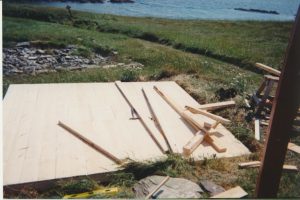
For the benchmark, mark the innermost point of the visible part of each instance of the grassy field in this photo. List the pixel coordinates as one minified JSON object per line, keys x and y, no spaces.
{"x":201,"y":56}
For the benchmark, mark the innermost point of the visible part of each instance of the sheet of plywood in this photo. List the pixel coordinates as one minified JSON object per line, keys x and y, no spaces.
{"x":36,"y":148}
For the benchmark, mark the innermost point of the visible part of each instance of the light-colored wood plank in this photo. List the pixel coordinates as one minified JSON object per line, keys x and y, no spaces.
{"x":273,"y":78}
{"x":216,"y":106}
{"x":193,"y":143}
{"x":254,"y":164}
{"x":294,"y":147}
{"x":236,"y":192}
{"x":257,"y":129}
{"x":156,"y":120}
{"x":208,"y":114}
{"x":268,"y":69}
{"x":249,"y":164}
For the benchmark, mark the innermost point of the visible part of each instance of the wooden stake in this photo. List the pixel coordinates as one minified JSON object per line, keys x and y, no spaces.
{"x":216,"y":106}
{"x":142,"y":120}
{"x":156,"y":121}
{"x":157,"y":187}
{"x":90,"y":143}
{"x":268,"y":69}
{"x":207,"y":114}
{"x":236,"y":192}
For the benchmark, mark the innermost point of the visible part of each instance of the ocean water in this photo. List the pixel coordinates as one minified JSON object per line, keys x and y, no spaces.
{"x":192,"y":9}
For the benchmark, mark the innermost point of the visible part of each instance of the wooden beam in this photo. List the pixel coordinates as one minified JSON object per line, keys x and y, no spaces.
{"x":198,"y":123}
{"x":157,"y":187}
{"x":254,"y":164}
{"x":90,"y":143}
{"x":257,"y":129}
{"x":294,"y":147}
{"x":285,"y":107}
{"x":268,"y":69}
{"x":216,"y":106}
{"x":142,"y":120}
{"x":207,"y":114}
{"x":236,"y":192}
{"x":193,"y":143}
{"x":156,"y":121}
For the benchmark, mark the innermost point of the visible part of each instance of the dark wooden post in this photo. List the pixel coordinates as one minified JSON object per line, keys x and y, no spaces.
{"x":284,"y":110}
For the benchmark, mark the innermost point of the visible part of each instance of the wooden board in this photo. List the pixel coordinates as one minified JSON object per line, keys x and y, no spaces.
{"x":294,"y":147}
{"x":268,"y":69}
{"x":236,"y":192}
{"x":37,"y":149}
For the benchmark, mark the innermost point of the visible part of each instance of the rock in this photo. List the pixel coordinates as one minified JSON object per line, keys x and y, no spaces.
{"x":211,"y":187}
{"x":173,"y":188}
{"x":40,"y":51}
{"x":23,"y":44}
{"x":32,"y":58}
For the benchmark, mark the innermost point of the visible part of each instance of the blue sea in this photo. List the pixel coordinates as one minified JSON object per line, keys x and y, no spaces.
{"x":192,"y":9}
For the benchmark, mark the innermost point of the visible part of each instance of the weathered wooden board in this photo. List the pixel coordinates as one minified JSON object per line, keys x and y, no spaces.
{"x":37,"y":149}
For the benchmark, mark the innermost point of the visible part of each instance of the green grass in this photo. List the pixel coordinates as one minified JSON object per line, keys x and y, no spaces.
{"x":201,"y":56}
{"x":242,"y":43}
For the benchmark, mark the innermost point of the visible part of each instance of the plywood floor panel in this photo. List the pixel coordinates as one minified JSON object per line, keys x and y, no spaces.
{"x":37,"y":149}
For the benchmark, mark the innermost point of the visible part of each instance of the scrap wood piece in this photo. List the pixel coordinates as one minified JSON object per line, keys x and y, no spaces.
{"x":142,"y":120}
{"x":214,"y":142}
{"x":257,"y":129}
{"x":236,"y":192}
{"x":190,"y":118}
{"x":208,"y":114}
{"x":158,"y":186}
{"x":216,"y":106}
{"x":268,"y":69}
{"x":156,"y":121}
{"x":294,"y":147}
{"x":254,"y":164}
{"x":193,"y":143}
{"x":90,"y":143}
{"x":273,"y":78}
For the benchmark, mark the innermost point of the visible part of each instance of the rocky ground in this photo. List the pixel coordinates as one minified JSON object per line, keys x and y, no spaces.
{"x":26,"y":59}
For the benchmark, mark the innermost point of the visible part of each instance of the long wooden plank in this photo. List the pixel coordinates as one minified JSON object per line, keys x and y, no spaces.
{"x":141,"y":118}
{"x":208,"y":114}
{"x":268,"y":69}
{"x":216,"y":106}
{"x":294,"y":147}
{"x":156,"y":121}
{"x":254,"y":164}
{"x":236,"y":192}
{"x":157,"y":187}
{"x":90,"y":143}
